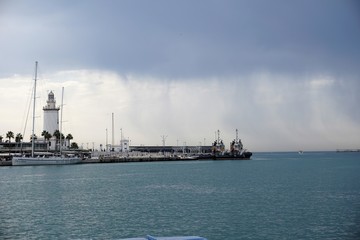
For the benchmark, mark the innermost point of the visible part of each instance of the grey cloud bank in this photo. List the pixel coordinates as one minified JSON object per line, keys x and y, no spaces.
{"x":285,"y":73}
{"x":180,"y":39}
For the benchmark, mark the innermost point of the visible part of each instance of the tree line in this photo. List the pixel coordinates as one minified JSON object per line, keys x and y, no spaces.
{"x":47,"y":136}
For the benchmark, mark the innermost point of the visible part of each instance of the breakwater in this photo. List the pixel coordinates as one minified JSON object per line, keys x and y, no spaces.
{"x":129,"y":159}
{"x":114,"y":159}
{"x":5,"y":163}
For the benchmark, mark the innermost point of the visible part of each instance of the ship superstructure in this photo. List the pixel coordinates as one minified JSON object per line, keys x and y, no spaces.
{"x":236,"y":146}
{"x":218,"y":146}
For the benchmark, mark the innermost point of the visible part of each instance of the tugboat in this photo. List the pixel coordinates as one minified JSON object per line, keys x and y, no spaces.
{"x":237,"y":151}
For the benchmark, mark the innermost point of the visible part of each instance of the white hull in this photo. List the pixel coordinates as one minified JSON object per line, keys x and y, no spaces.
{"x":31,"y":161}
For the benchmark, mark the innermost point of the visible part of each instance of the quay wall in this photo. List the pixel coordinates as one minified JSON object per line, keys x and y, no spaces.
{"x":122,"y":159}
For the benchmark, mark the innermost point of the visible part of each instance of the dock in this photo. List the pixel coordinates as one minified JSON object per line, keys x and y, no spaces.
{"x":348,"y":150}
{"x":129,"y":159}
{"x":5,"y":163}
{"x":142,"y":157}
{"x":126,"y":159}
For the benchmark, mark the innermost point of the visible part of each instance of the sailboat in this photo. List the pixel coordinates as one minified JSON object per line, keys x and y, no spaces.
{"x":42,"y":159}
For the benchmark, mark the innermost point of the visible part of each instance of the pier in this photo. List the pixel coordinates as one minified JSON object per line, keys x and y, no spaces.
{"x":129,"y":159}
{"x":138,"y":154}
{"x":348,"y":150}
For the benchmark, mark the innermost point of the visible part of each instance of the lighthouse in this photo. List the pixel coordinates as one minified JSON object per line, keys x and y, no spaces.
{"x":51,"y":115}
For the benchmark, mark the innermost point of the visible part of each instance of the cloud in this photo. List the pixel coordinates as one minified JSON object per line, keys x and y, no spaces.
{"x":321,"y":83}
{"x":284,"y":74}
{"x":171,"y":39}
{"x":271,"y":112}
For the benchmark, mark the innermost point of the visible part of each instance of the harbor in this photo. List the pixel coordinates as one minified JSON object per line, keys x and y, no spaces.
{"x":122,"y":153}
{"x":131,"y":154}
{"x":179,"y":120}
{"x":53,"y":148}
{"x":133,"y":157}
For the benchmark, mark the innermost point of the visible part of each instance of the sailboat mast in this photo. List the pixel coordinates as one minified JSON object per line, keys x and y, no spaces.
{"x":33,"y":126}
{"x":61,"y":113}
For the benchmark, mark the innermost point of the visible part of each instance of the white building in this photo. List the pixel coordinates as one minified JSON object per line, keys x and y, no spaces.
{"x":51,"y":115}
{"x":123,"y":147}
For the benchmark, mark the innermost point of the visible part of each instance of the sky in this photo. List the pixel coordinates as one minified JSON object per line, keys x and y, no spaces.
{"x":286,"y":74}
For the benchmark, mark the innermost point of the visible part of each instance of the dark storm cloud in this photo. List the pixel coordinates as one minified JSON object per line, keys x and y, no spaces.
{"x":182,"y":39}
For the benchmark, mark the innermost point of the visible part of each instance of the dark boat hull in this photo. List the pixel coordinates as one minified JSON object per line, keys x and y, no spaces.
{"x":230,"y":158}
{"x":244,"y":156}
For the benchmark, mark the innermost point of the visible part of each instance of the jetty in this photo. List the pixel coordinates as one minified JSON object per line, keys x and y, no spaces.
{"x":128,"y":159}
{"x":131,"y":157}
{"x":348,"y":150}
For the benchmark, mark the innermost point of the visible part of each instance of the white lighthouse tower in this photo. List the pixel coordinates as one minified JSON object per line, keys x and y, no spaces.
{"x":51,"y":115}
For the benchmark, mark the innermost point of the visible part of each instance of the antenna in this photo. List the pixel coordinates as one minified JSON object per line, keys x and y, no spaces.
{"x":106,"y":145}
{"x":61,"y":113}
{"x":163,"y":139}
{"x":121,"y":139}
{"x":112,"y":140}
{"x":33,"y":126}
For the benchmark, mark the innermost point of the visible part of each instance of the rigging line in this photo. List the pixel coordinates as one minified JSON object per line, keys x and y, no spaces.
{"x":41,"y":89}
{"x":27,"y":115}
{"x":28,"y":109}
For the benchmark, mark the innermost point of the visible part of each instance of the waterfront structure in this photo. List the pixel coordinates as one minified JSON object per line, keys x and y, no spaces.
{"x":172,"y":149}
{"x":124,"y":144}
{"x":43,"y":158}
{"x":51,"y":114}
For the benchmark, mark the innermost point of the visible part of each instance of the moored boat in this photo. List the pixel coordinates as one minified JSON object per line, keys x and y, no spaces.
{"x":44,"y":160}
{"x":237,"y":151}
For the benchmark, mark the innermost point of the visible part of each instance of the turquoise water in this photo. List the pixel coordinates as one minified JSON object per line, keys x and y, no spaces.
{"x":274,"y":196}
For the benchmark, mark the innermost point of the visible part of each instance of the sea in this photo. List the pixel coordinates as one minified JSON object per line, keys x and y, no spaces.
{"x":286,"y":195}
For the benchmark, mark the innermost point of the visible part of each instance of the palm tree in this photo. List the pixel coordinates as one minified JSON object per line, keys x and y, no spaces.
{"x":18,"y":137}
{"x":62,"y":140}
{"x":43,"y":134}
{"x":56,"y":134}
{"x":74,"y":145}
{"x":46,"y":136}
{"x":35,"y":137}
{"x":10,"y":135}
{"x":69,"y":137}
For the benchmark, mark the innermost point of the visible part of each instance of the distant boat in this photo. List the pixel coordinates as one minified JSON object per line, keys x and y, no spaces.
{"x":167,"y":238}
{"x":301,"y":152}
{"x":42,"y":159}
